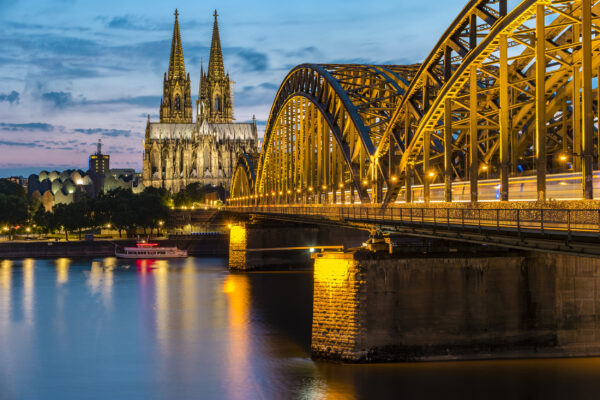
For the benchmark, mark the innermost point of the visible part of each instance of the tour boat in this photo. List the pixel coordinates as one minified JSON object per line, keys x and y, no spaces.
{"x":150,"y":250}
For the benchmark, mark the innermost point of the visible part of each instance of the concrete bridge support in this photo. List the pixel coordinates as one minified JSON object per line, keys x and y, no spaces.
{"x":370,"y":307}
{"x":257,"y":245}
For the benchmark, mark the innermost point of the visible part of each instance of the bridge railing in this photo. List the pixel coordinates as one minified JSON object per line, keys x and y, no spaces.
{"x":544,"y":221}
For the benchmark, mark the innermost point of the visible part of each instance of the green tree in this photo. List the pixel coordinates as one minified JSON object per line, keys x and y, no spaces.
{"x":14,"y":207}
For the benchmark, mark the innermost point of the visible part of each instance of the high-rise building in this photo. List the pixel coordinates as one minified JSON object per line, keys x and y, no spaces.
{"x":178,"y":151}
{"x":99,"y":163}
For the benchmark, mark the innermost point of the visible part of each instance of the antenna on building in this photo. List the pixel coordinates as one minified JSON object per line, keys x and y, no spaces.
{"x":99,"y":146}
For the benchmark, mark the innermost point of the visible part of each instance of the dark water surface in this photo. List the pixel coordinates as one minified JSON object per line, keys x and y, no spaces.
{"x":111,"y":329}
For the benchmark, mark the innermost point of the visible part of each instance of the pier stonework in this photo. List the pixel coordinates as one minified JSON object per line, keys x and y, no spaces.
{"x":369,"y":307}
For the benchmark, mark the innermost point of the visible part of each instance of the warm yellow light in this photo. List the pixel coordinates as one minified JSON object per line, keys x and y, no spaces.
{"x":28,"y":229}
{"x":160,"y":223}
{"x":299,"y":190}
{"x":394,"y":179}
{"x":484,"y":167}
{"x":341,"y":185}
{"x":365,"y":182}
{"x":79,"y":181}
{"x":108,"y":225}
{"x":563,"y":158}
{"x":562,"y":183}
{"x":310,"y":189}
{"x":324,"y":187}
{"x":289,"y":192}
{"x":431,"y":174}
{"x":5,"y":228}
{"x":273,"y":194}
{"x":280,"y":192}
{"x":229,"y":226}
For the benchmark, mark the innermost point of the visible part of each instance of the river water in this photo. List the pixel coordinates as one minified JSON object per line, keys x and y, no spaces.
{"x":189,"y":329}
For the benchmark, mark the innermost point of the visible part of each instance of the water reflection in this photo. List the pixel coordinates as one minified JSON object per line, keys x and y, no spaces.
{"x":188,"y":329}
{"x":28,"y":290}
{"x":62,"y":270}
{"x":239,"y":372}
{"x":101,"y":279}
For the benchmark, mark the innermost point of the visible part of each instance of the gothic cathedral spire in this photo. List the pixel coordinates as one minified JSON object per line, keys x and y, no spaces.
{"x":215,"y":100}
{"x":176,"y":104}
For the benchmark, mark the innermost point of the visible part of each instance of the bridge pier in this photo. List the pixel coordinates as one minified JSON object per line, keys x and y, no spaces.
{"x":268,"y":245}
{"x":372,"y":307}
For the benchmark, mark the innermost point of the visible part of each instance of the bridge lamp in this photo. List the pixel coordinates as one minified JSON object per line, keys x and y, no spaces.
{"x":563,"y":157}
{"x":341,"y":185}
{"x":299,"y":190}
{"x":310,"y":189}
{"x":28,"y":229}
{"x":365,"y":182}
{"x":324,"y":187}
{"x":562,"y":183}
{"x":108,"y":225}
{"x":5,"y":228}
{"x":160,"y":223}
{"x":289,"y":192}
{"x":431,"y":174}
{"x":394,"y":178}
{"x":229,"y":226}
{"x":484,"y":167}
{"x":280,"y":192}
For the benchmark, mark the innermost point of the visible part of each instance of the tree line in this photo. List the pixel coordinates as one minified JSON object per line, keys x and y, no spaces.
{"x":122,"y":209}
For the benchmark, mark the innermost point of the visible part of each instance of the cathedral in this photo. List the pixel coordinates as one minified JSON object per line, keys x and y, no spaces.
{"x":178,"y":151}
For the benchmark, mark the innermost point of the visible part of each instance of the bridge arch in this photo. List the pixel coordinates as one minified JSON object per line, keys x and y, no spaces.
{"x":243,"y":180}
{"x":323,"y":130}
{"x":502,"y":95}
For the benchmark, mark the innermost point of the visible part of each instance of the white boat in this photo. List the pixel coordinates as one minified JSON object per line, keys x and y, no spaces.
{"x":150,"y":250}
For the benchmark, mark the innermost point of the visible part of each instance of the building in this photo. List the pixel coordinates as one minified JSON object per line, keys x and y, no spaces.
{"x":19,"y":180}
{"x":179,"y":151}
{"x":99,"y":163}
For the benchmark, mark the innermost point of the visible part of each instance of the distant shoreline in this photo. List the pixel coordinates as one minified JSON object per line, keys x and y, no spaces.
{"x":213,"y":245}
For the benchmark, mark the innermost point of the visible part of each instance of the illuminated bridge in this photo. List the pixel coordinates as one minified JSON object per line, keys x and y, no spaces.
{"x":493,"y":138}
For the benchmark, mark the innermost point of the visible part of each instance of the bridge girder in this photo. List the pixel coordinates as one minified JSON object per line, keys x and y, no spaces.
{"x":481,"y":105}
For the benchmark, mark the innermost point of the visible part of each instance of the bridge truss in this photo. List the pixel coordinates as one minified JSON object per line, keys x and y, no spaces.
{"x":509,"y":91}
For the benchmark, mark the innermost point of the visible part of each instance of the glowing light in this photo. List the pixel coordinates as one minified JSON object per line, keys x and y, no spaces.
{"x":108,"y":225}
{"x":79,"y":181}
{"x":341,"y":185}
{"x":484,"y":167}
{"x":280,"y":192}
{"x":498,"y":186}
{"x":310,"y":189}
{"x":289,"y":192}
{"x":365,"y":182}
{"x":28,"y":229}
{"x":160,"y":223}
{"x":324,"y":187}
{"x":394,"y":179}
{"x":312,"y":250}
{"x":563,"y":157}
{"x":229,"y":226}
{"x":5,"y":228}
{"x":299,"y":190}
{"x":431,"y":174}
{"x":562,"y":183}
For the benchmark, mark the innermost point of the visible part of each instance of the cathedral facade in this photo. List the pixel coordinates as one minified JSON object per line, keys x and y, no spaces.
{"x":179,"y":151}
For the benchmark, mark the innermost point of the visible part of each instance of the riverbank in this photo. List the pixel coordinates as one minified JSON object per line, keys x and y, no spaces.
{"x":216,"y":244}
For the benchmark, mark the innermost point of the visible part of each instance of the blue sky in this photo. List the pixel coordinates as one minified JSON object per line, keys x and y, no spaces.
{"x":74,"y":71}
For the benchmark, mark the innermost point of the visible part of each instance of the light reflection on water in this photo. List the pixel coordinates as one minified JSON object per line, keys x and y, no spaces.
{"x":188,"y":329}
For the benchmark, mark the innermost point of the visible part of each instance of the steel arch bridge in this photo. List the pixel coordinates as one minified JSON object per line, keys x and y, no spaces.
{"x":505,"y":107}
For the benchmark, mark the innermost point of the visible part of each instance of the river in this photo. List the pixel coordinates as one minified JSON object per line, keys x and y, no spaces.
{"x":189,"y":329}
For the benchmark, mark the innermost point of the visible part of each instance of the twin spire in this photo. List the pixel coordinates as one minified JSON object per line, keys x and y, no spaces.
{"x":215,"y":62}
{"x":176,"y":63}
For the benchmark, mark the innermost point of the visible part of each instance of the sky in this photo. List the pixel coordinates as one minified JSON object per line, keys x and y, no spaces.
{"x":75,"y":71}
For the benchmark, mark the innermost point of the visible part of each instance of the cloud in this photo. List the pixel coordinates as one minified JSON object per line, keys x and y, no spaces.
{"x":19,"y":144}
{"x":144,"y":101}
{"x":58,"y":99}
{"x":250,"y":59}
{"x":33,"y":126}
{"x":105,"y":132}
{"x":12,"y":97}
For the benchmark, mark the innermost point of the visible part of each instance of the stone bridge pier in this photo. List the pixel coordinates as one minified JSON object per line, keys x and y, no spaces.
{"x":373,"y":307}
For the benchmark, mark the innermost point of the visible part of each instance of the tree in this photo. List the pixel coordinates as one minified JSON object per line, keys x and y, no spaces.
{"x":14,"y":207}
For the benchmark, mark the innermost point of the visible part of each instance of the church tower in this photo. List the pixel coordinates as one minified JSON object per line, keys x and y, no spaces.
{"x":215,"y":97}
{"x":176,"y":103}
